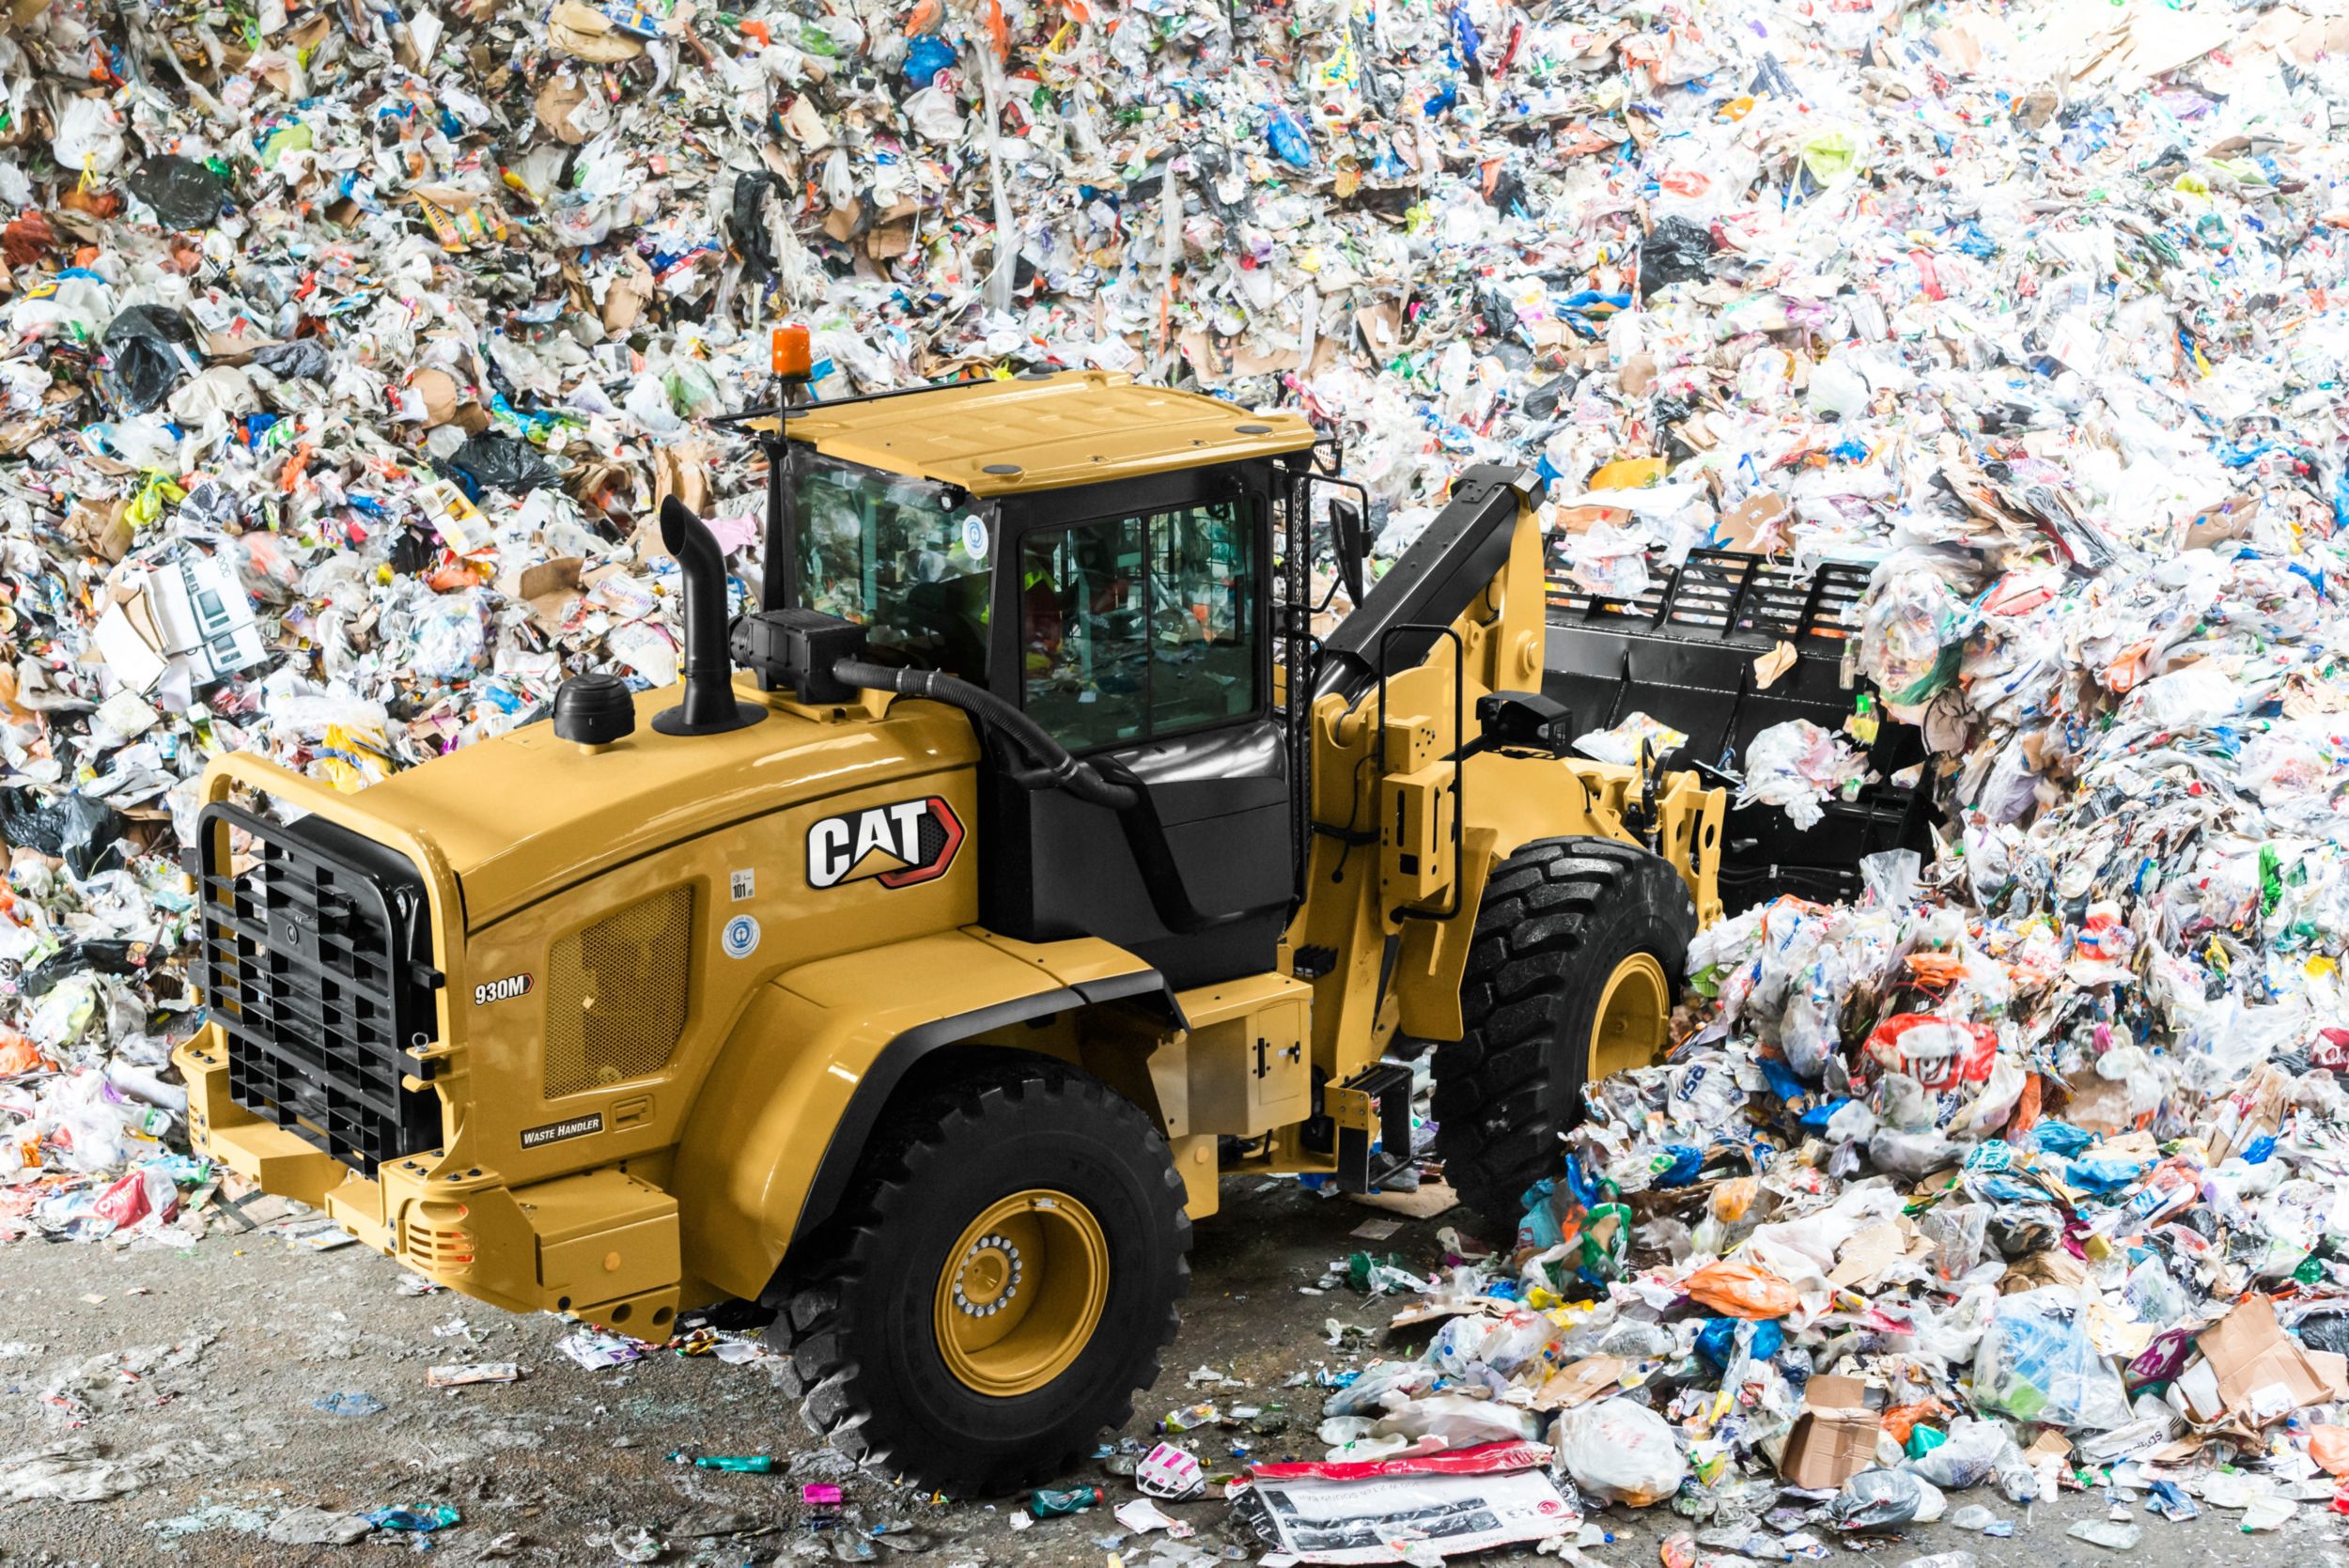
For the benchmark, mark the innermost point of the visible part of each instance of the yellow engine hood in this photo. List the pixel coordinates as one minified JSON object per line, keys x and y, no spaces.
{"x":526,"y":815}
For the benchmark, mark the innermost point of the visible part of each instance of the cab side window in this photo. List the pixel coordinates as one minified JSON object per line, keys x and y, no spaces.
{"x":1132,"y":628}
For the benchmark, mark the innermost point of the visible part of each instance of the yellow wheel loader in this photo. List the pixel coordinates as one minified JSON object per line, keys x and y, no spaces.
{"x":1022,"y":862}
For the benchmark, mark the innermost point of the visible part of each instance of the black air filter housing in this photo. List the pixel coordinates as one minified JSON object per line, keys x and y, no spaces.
{"x":797,"y":648}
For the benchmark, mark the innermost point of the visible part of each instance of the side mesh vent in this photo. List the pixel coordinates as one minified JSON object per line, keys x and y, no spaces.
{"x":617,"y":993}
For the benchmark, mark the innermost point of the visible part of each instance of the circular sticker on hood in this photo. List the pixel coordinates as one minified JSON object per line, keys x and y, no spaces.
{"x":741,"y":937}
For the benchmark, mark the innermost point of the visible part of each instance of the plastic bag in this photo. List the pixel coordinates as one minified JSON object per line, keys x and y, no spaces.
{"x":1912,"y":634}
{"x":1621,"y":745}
{"x":1621,"y":1451}
{"x":1796,"y":767}
{"x":1741,"y":1289}
{"x":149,"y":351}
{"x":492,"y":461}
{"x":184,"y":193}
{"x":87,"y":833}
{"x":88,"y":136}
{"x":1939,"y":1053}
{"x":2019,"y":1230}
{"x":1956,"y":1232}
{"x":1458,"y":1421}
{"x":1912,"y":1154}
{"x":144,"y":1192}
{"x":1877,"y":1499}
{"x":304,"y":357}
{"x":1967,"y":1458}
{"x":1381,"y":1384}
{"x":2037,"y":1364}
{"x":1674,"y":251}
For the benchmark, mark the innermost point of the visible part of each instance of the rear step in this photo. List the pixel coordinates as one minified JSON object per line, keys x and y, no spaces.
{"x":1684,"y":651}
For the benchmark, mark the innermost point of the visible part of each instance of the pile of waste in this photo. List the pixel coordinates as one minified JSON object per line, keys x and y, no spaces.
{"x":348,"y":351}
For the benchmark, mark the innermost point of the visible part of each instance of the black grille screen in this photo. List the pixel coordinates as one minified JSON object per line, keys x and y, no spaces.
{"x":312,"y":937}
{"x":1730,"y":595}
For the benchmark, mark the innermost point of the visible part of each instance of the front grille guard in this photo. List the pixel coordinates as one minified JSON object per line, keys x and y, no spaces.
{"x":328,"y":1019}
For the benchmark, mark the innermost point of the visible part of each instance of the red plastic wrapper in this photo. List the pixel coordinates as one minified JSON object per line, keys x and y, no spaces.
{"x":1939,"y":1053}
{"x":132,"y":1199}
{"x":2332,"y":1050}
{"x":1484,"y":1459}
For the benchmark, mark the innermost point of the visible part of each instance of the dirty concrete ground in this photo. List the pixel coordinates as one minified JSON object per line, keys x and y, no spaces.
{"x":550,"y":1469}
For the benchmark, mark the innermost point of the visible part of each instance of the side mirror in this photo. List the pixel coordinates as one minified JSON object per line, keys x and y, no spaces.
{"x":1351,"y":534}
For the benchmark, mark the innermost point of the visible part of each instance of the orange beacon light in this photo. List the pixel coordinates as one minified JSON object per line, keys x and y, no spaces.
{"x":793,"y":357}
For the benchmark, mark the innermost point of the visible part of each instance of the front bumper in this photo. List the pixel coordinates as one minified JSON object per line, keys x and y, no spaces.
{"x":600,"y":1244}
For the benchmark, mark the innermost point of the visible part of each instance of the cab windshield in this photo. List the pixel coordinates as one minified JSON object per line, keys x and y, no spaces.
{"x":904,"y":558}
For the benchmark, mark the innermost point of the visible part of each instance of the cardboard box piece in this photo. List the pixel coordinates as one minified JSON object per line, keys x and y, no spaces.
{"x":1835,"y":1436}
{"x":2254,"y":1369}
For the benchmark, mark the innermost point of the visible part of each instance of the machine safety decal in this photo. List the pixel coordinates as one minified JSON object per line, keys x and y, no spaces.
{"x":740,"y":938}
{"x":554,"y":1132}
{"x":501,"y":990}
{"x":897,"y":845}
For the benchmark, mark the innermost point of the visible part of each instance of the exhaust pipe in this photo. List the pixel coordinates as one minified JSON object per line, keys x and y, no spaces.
{"x":709,"y":707}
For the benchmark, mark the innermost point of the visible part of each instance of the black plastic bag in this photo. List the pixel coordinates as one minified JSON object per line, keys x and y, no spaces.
{"x":748,"y":220}
{"x":2326,"y":1331}
{"x":148,"y":349}
{"x":1542,"y":402}
{"x":1674,"y":251}
{"x":2021,"y":1230}
{"x":183,"y":193}
{"x":84,"y":831}
{"x":493,"y":461}
{"x":304,"y":357}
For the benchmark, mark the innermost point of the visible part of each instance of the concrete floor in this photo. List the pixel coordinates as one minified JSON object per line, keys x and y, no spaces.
{"x":202,"y":1365}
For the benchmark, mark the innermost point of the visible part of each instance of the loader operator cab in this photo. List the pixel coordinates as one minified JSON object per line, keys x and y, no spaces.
{"x":1130,"y":618}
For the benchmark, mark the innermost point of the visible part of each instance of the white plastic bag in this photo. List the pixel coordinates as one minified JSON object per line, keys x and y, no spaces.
{"x":1970,"y":1457}
{"x":90,"y":135}
{"x":1458,"y":1421}
{"x":1620,"y":1450}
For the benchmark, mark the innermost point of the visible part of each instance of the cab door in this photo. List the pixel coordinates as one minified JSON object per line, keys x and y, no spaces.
{"x":1136,"y":635}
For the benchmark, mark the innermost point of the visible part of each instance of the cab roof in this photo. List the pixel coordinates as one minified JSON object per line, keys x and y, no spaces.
{"x":1078,"y":428}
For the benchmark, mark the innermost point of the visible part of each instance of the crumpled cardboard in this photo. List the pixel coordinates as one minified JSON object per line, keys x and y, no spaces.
{"x":2232,"y":519}
{"x":1833,"y":1439}
{"x":585,"y":33}
{"x":547,"y":586}
{"x":2250,"y":1369}
{"x":1580,"y":1382}
{"x":1757,"y":523}
{"x":558,"y":103}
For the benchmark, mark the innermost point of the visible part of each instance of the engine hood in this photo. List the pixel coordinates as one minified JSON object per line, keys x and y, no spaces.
{"x":526,"y":815}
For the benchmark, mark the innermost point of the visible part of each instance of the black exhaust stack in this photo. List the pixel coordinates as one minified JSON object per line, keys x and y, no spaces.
{"x":709,"y":707}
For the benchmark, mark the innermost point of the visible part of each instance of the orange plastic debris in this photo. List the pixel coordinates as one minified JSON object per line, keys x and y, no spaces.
{"x":1742,"y":1290}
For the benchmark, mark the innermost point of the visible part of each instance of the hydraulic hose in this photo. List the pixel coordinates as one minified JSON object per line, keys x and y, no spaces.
{"x":1060,"y":769}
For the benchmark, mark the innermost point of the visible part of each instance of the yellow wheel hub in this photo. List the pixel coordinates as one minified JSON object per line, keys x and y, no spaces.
{"x":1634,"y":1018}
{"x":1021,"y":1293}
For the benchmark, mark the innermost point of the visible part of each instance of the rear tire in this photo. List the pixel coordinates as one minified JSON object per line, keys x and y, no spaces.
{"x":875,"y":1328}
{"x":1561,"y":918}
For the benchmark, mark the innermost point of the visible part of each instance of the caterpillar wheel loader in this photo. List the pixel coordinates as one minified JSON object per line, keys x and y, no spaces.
{"x":1020,"y":864}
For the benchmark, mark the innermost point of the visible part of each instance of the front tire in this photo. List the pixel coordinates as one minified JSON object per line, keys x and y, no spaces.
{"x":1001,"y":1281}
{"x":1577,"y":953}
